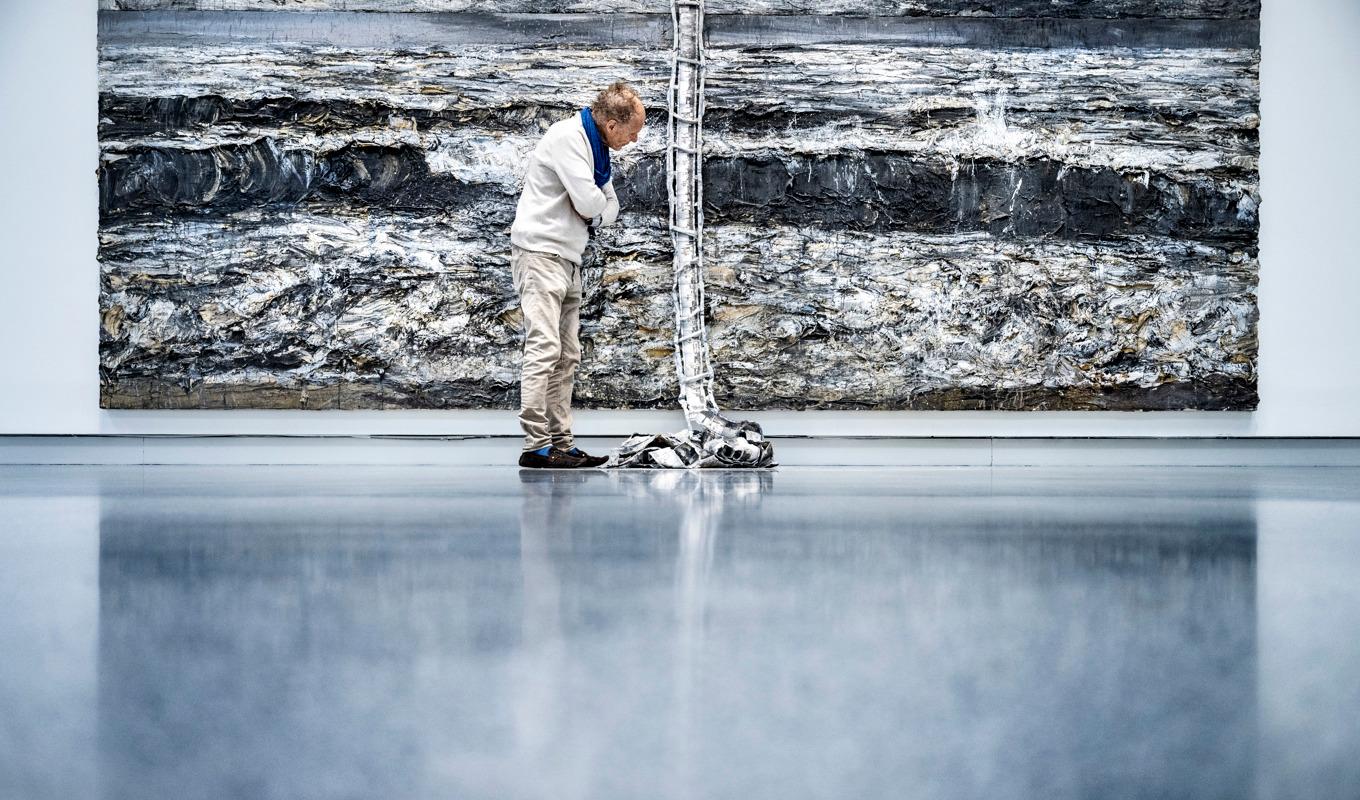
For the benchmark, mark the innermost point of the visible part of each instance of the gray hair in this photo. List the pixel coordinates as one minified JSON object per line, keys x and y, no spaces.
{"x":618,"y":101}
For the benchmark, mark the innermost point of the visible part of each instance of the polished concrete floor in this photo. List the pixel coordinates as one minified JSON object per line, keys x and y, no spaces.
{"x":332,"y":632}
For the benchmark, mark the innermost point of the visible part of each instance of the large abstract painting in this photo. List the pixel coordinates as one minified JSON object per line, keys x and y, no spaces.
{"x":909,"y":204}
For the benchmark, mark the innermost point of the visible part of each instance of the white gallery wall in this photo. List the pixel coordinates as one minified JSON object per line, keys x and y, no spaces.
{"x":1309,"y":290}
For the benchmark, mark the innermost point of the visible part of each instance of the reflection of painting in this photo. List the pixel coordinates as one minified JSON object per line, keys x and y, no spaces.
{"x":678,"y":634}
{"x":931,"y":208}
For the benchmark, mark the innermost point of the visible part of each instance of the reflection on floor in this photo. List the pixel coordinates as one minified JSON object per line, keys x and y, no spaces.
{"x":337,"y":632}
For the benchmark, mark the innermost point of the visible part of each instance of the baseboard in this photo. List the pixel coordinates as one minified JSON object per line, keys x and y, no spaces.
{"x":790,"y":451}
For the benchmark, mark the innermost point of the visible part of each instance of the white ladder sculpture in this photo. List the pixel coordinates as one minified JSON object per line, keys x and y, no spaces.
{"x":711,"y":439}
{"x":721,"y":442}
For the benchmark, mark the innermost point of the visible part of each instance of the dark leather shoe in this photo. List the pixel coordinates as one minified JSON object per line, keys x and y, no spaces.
{"x":555,"y":459}
{"x":590,"y":461}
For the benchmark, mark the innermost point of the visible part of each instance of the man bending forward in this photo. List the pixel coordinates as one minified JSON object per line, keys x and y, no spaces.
{"x":567,"y":188}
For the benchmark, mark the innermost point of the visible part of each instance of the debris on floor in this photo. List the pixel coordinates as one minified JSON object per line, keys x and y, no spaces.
{"x":718,"y":443}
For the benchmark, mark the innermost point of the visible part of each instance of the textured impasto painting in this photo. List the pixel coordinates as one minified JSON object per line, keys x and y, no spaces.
{"x":927,"y":204}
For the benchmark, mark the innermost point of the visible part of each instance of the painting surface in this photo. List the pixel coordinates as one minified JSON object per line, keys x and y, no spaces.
{"x":931,"y":205}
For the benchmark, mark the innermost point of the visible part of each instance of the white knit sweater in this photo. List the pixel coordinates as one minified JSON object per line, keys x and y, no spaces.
{"x":560,"y":194}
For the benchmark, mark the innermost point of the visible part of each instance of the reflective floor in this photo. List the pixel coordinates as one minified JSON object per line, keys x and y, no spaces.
{"x":339,"y":632}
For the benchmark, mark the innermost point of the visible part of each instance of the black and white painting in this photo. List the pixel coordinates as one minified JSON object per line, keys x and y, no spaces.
{"x":910,"y":204}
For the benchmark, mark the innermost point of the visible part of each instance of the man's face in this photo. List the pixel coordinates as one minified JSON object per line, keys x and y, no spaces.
{"x":619,"y":135}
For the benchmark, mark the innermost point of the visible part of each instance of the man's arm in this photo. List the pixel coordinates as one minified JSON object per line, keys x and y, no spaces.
{"x":611,"y":207}
{"x":574,"y":168}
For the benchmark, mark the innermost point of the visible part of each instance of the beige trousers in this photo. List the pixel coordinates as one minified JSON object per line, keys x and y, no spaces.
{"x":549,"y":288}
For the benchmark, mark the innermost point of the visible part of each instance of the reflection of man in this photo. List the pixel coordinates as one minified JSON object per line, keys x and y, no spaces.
{"x":566,"y":188}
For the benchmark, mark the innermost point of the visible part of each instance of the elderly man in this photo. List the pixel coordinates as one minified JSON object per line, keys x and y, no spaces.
{"x":567,"y":191}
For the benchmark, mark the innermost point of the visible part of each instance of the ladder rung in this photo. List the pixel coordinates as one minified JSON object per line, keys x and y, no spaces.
{"x":686,"y":59}
{"x":700,"y":377}
{"x":685,"y":231}
{"x":697,"y":314}
{"x":688,"y":120}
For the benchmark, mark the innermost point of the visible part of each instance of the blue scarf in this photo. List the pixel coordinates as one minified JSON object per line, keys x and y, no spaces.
{"x":597,"y":148}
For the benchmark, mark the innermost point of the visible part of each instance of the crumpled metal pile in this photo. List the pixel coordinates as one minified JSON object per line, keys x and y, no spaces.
{"x":690,"y":449}
{"x":719,"y":444}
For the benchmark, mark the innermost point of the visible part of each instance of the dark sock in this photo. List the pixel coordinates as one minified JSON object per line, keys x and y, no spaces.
{"x":542,"y":451}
